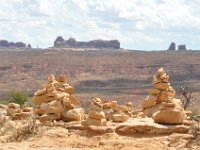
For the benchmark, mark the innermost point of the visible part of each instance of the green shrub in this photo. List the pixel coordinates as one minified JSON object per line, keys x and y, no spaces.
{"x":17,"y":97}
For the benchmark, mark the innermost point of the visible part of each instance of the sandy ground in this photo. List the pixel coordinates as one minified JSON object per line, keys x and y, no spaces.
{"x":58,"y":138}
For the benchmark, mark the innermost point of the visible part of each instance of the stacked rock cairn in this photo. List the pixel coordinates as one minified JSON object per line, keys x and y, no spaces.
{"x":96,"y":114}
{"x":161,"y":103}
{"x":54,"y":101}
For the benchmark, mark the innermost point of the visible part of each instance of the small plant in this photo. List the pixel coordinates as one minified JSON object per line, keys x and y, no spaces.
{"x":17,"y":97}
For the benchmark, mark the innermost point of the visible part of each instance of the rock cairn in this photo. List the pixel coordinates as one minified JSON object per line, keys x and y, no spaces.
{"x":54,"y":101}
{"x":96,"y":114}
{"x":161,"y":103}
{"x":15,"y":112}
{"x":116,"y":112}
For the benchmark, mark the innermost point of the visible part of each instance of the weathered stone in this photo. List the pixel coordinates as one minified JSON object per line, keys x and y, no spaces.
{"x":120,"y":118}
{"x":162,"y":86}
{"x":172,"y":116}
{"x":149,"y":101}
{"x":11,"y":111}
{"x":76,"y":114}
{"x":27,"y":109}
{"x":69,"y":89}
{"x":147,"y":126}
{"x":96,"y":114}
{"x":21,"y":115}
{"x":96,"y":122}
{"x":48,"y":117}
{"x":14,"y":105}
{"x":153,"y":92}
{"x":55,"y":107}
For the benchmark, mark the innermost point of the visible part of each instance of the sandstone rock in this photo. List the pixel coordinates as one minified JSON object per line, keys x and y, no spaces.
{"x":162,"y":86}
{"x":69,"y":89}
{"x":22,"y":115}
{"x":48,"y":117}
{"x":97,"y":114}
{"x":27,"y":109}
{"x":149,"y":101}
{"x":11,"y":111}
{"x":172,"y":116}
{"x":96,"y":122}
{"x":120,"y":118}
{"x":147,"y":126}
{"x":153,"y":92}
{"x":14,"y":105}
{"x":53,"y":107}
{"x":39,"y":112}
{"x":76,"y":114}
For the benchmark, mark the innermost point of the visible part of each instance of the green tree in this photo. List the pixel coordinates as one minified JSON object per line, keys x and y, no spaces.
{"x":17,"y":97}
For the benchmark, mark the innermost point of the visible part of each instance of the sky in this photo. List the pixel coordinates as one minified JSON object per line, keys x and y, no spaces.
{"x":137,"y":24}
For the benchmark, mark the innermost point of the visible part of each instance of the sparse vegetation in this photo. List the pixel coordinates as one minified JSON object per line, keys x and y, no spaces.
{"x":17,"y":97}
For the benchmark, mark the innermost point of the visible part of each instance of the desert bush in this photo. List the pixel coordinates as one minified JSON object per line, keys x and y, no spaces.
{"x":17,"y":97}
{"x":195,"y":110}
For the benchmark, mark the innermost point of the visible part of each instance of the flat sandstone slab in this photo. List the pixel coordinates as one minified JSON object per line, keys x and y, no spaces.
{"x":130,"y":127}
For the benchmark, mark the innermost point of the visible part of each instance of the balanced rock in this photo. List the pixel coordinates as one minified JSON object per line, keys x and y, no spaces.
{"x":161,"y":103}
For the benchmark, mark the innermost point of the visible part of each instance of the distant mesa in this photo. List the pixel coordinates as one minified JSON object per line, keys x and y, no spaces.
{"x":181,"y":47}
{"x":73,"y":43}
{"x":5,"y":43}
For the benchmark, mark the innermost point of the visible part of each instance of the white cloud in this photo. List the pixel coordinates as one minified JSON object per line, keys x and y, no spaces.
{"x":133,"y":22}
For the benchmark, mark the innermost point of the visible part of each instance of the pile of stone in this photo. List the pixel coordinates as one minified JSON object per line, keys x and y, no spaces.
{"x":54,"y":101}
{"x":116,"y":112}
{"x":96,"y":114}
{"x":15,"y":112}
{"x":161,"y":103}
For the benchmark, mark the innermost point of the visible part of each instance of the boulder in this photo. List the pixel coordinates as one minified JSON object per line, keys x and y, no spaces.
{"x":171,"y":116}
{"x":76,"y":114}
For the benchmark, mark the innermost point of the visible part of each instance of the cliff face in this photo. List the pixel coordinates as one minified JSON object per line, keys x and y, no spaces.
{"x":71,"y":42}
{"x":5,"y":43}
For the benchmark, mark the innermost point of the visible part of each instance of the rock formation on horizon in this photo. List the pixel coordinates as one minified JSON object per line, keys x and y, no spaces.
{"x":182,"y":48}
{"x":172,"y":46}
{"x":73,"y":43}
{"x":5,"y":43}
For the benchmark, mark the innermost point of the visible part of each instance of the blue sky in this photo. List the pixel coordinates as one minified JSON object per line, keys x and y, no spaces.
{"x":137,"y":24}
